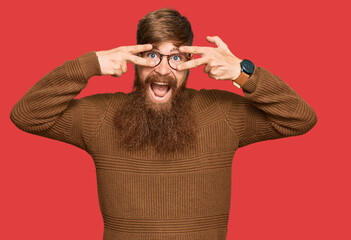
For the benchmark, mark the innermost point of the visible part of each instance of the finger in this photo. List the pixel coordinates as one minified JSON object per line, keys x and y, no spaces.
{"x":124,"y":67}
{"x":216,"y":40}
{"x":207,"y":68}
{"x":192,"y":63}
{"x":212,"y":76}
{"x":118,"y":73}
{"x":194,"y":49}
{"x":139,"y":60}
{"x":138,"y":48}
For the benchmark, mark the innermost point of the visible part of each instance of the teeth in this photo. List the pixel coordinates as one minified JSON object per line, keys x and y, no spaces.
{"x":158,"y":83}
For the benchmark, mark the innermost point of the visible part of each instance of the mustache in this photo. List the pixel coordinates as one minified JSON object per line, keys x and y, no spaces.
{"x":171,"y":82}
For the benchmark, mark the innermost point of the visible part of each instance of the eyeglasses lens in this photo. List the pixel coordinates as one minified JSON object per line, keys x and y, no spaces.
{"x":174,"y":59}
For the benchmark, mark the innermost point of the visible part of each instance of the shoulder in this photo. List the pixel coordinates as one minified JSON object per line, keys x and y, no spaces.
{"x":100,"y":99}
{"x":95,"y":104}
{"x":214,"y":99}
{"x":215,"y":96}
{"x":105,"y":98}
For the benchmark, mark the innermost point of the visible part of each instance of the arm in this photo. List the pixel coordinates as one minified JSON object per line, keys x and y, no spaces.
{"x":270,"y":110}
{"x":49,"y":110}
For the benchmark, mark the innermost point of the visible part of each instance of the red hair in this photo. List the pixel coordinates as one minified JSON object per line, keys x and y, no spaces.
{"x":164,"y":25}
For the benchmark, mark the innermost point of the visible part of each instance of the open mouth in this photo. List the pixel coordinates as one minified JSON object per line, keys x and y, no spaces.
{"x":160,"y":92}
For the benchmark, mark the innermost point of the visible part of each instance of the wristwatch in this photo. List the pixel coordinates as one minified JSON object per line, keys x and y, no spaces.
{"x":247,"y":68}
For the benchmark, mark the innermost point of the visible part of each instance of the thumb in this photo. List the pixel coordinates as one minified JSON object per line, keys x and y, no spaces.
{"x":210,"y":39}
{"x":216,"y":40}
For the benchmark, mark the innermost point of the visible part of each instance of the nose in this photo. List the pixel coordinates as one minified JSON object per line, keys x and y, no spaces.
{"x":163,"y":68}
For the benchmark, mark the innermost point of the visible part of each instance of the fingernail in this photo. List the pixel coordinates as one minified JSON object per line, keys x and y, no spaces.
{"x":181,"y":49}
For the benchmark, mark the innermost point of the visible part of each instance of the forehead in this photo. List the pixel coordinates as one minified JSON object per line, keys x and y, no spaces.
{"x":165,"y":47}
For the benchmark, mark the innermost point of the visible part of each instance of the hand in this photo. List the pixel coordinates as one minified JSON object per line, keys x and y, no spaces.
{"x":221,"y":64}
{"x":114,"y":62}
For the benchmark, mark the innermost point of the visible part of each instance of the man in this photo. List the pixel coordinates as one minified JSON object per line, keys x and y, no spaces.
{"x":163,"y":152}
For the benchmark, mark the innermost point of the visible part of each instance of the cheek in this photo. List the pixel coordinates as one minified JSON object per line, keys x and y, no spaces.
{"x":181,"y":76}
{"x":144,"y":72}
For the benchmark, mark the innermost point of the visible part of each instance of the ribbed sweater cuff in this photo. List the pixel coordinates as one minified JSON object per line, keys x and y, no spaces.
{"x":90,"y":64}
{"x":251,"y":83}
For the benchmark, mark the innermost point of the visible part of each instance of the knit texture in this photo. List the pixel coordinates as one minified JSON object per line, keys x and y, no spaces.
{"x":142,"y":194}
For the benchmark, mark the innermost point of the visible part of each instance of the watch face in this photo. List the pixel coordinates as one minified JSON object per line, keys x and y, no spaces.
{"x":247,"y":66}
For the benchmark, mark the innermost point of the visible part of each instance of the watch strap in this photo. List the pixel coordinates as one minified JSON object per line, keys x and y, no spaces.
{"x":239,"y":81}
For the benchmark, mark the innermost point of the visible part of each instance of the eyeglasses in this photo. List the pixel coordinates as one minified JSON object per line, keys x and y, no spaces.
{"x":173,"y":59}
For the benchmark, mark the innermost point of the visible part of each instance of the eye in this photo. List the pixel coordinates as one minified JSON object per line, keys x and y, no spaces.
{"x":176,"y":58}
{"x":152,"y":55}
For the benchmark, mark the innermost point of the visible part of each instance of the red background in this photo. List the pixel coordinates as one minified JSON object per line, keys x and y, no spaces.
{"x":292,"y":188}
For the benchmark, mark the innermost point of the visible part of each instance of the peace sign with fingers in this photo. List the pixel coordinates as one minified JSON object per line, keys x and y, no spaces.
{"x":114,"y":62}
{"x":221,"y":64}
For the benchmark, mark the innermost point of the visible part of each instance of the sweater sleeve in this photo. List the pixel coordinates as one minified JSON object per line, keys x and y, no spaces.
{"x":49,"y":110}
{"x":270,"y":109}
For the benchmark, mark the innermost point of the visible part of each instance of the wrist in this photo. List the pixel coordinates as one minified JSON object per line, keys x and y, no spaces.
{"x":237,"y":69}
{"x":246,"y":70}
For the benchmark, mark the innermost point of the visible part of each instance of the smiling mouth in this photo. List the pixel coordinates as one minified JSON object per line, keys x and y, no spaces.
{"x":160,"y":92}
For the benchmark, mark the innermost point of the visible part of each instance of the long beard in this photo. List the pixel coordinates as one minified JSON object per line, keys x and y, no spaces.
{"x":142,"y":123}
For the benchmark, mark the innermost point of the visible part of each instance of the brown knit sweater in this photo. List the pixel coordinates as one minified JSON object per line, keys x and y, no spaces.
{"x":142,"y":197}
